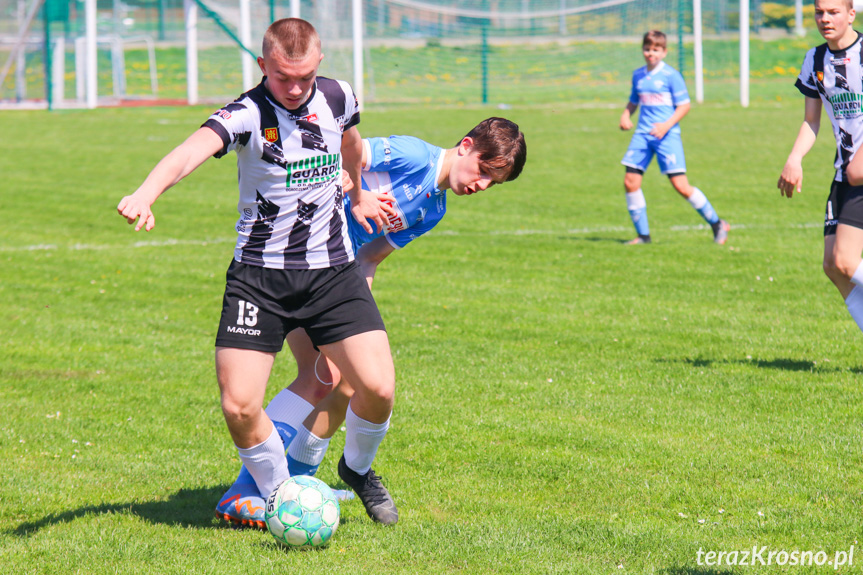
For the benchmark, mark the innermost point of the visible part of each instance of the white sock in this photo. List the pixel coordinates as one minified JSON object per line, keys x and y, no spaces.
{"x":854,"y":303}
{"x":266,"y":462}
{"x":290,"y":408}
{"x":307,"y":447}
{"x":857,"y":278}
{"x":362,"y":439}
{"x":697,"y":199}
{"x":635,"y":200}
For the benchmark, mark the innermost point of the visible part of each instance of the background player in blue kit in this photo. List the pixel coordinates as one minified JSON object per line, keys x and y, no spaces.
{"x":416,"y":175}
{"x":660,"y":91}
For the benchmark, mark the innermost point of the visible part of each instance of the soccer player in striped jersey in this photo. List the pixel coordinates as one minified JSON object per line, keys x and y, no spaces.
{"x":415,"y":176}
{"x":293,"y":264}
{"x":831,"y":76}
{"x":660,"y":91}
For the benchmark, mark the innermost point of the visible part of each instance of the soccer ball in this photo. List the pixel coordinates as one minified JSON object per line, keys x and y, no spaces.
{"x":302,"y":511}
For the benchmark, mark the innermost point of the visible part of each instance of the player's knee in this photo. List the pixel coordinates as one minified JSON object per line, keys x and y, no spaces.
{"x":845,"y":266}
{"x":631,"y":182}
{"x":833,"y":269}
{"x":381,"y":391}
{"x":239,"y":413}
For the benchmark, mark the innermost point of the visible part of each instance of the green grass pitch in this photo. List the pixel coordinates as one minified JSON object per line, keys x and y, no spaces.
{"x":565,"y":403}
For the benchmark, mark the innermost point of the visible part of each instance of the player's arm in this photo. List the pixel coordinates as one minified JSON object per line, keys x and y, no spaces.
{"x":179,"y":163}
{"x":364,"y":205}
{"x":792,"y":174}
{"x":372,"y":254}
{"x":626,"y":117}
{"x":661,"y":128}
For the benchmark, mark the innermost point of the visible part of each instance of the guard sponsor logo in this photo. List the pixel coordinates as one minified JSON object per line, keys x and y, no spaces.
{"x":314,"y":170}
{"x":840,"y":61}
{"x":311,"y":118}
{"x":271,"y":134}
{"x":846,"y":104}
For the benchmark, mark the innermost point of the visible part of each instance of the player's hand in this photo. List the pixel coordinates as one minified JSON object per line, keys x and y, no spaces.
{"x":347,"y":182}
{"x":133,"y":208}
{"x":791,"y":178}
{"x":659,"y":130}
{"x":625,"y":122}
{"x":372,"y":206}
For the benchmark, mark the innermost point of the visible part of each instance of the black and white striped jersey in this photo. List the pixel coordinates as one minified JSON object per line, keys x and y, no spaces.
{"x":837,"y":78}
{"x":289,"y":162}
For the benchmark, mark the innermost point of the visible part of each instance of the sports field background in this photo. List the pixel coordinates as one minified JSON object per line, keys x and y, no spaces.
{"x":565,"y":403}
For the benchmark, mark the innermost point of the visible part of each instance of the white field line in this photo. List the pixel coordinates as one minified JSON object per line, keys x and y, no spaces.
{"x":519,"y":232}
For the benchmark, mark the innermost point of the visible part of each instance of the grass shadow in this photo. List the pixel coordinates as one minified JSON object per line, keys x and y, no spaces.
{"x":185,"y":508}
{"x":784,"y":364}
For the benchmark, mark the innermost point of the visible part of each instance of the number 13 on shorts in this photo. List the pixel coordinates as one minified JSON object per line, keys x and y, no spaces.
{"x":248,"y":314}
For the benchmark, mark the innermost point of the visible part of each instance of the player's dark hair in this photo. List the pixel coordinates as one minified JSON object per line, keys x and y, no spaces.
{"x":654,"y":38}
{"x":293,"y":38}
{"x":500,"y":145}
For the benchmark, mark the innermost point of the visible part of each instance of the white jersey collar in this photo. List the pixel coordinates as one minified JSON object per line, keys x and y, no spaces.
{"x":656,"y":70}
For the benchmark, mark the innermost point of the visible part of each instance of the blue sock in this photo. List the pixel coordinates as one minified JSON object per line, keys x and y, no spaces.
{"x":300,"y":468}
{"x":638,"y":211}
{"x":286,"y":432}
{"x":702,"y":205}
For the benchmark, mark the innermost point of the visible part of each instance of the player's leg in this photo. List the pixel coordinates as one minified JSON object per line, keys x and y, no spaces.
{"x":636,"y":205}
{"x":343,"y":321}
{"x":251,"y":331}
{"x":672,"y":162}
{"x":287,"y":410}
{"x":844,"y":266}
{"x":243,"y":375}
{"x":843,"y":244}
{"x":307,"y":453}
{"x":365,"y":360}
{"x":636,"y":160}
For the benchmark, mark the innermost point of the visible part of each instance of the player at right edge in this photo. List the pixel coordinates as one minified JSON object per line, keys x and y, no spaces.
{"x":832,"y":74}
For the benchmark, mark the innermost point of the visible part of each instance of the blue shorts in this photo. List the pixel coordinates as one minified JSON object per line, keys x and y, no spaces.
{"x":668,"y":150}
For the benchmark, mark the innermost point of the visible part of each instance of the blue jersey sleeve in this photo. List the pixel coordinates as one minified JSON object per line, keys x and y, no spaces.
{"x":633,"y":94}
{"x":396,"y":154}
{"x":679,"y":93}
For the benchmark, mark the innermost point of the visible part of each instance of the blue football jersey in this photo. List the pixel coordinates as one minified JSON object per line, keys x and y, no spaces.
{"x":407,"y":169}
{"x":658,"y":93}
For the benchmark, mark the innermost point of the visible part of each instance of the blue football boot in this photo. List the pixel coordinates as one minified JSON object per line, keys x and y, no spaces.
{"x":242,"y":505}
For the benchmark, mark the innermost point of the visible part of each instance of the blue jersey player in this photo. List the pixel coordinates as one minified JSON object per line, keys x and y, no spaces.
{"x":415,"y":176}
{"x":660,"y":91}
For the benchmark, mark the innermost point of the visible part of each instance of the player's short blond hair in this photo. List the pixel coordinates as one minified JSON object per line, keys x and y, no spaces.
{"x":657,"y":38}
{"x":293,"y":38}
{"x":849,"y":4}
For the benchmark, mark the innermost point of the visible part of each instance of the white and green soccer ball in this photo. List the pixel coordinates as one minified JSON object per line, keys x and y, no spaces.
{"x":302,"y":511}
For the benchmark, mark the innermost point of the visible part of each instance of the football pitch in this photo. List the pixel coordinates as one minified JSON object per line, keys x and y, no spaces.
{"x":564,"y":404}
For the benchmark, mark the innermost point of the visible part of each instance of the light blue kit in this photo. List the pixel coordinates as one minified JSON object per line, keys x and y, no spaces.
{"x":407,"y":169}
{"x":657,"y":93}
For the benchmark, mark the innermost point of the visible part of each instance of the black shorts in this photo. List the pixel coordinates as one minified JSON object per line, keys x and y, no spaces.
{"x":261,"y":305}
{"x":844,"y":206}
